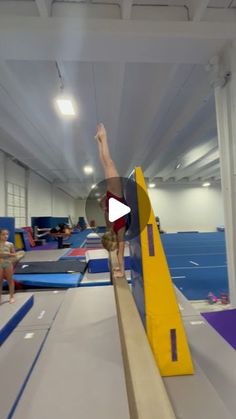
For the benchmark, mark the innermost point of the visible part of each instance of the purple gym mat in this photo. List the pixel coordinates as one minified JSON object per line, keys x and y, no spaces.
{"x":224,"y":323}
{"x":47,"y":246}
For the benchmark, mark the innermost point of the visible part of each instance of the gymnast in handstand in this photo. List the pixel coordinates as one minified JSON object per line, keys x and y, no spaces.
{"x":114,"y":238}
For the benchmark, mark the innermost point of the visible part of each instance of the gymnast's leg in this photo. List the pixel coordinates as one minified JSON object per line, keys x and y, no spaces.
{"x":114,"y":183}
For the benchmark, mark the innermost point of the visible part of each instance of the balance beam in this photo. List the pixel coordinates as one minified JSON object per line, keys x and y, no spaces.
{"x":147,"y":395}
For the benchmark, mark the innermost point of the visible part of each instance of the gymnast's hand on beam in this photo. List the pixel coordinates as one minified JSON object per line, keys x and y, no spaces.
{"x":118,"y":274}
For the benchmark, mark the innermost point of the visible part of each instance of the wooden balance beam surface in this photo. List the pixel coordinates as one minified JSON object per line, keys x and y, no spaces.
{"x":147,"y":395}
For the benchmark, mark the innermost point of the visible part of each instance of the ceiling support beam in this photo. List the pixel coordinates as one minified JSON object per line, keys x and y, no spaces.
{"x":168,"y":137}
{"x":197,"y":9}
{"x":126,"y":8}
{"x":23,"y":129}
{"x":44,"y":7}
{"x":112,"y":40}
{"x":172,"y":87}
{"x":200,"y":165}
{"x":208,"y":172}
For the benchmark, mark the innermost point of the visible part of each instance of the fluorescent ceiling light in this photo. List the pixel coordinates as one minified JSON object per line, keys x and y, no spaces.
{"x":178,"y":165}
{"x":88,"y":170}
{"x":206,"y":184}
{"x":151,"y":185}
{"x":65,"y":106}
{"x":97,"y":194}
{"x":93,"y":186}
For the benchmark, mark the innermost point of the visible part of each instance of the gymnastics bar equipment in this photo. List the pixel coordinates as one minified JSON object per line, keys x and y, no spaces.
{"x":40,"y":232}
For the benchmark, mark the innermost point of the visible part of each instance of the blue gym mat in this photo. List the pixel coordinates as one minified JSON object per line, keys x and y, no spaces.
{"x":200,"y":290}
{"x":77,"y":239}
{"x":12,"y":314}
{"x":49,"y":267}
{"x":197,"y":249}
{"x":188,"y":261}
{"x":101,"y":265}
{"x":61,"y":280}
{"x":73,"y":258}
{"x":197,"y":263}
{"x":196,"y":283}
{"x":193,"y":238}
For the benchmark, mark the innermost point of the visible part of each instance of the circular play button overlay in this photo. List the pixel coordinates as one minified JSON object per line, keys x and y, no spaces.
{"x":116,"y":203}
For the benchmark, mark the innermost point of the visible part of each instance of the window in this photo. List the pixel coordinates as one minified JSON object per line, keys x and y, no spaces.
{"x":16,"y":203}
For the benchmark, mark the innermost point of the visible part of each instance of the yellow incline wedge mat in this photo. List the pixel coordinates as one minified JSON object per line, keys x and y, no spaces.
{"x":164,"y":324}
{"x":18,"y":241}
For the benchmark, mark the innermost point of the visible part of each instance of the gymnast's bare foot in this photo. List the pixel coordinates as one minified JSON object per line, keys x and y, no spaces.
{"x":101,"y":134}
{"x":11,"y":300}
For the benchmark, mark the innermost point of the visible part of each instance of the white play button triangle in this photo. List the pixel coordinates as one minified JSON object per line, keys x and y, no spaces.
{"x":116,"y":209}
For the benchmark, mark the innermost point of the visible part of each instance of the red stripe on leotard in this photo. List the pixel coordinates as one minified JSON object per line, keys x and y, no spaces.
{"x":121,"y":222}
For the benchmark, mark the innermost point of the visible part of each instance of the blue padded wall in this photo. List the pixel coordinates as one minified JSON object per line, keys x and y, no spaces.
{"x":48,"y":222}
{"x":9,"y":224}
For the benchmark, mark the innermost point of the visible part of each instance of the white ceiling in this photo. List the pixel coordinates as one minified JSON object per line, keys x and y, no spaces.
{"x":146,"y":81}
